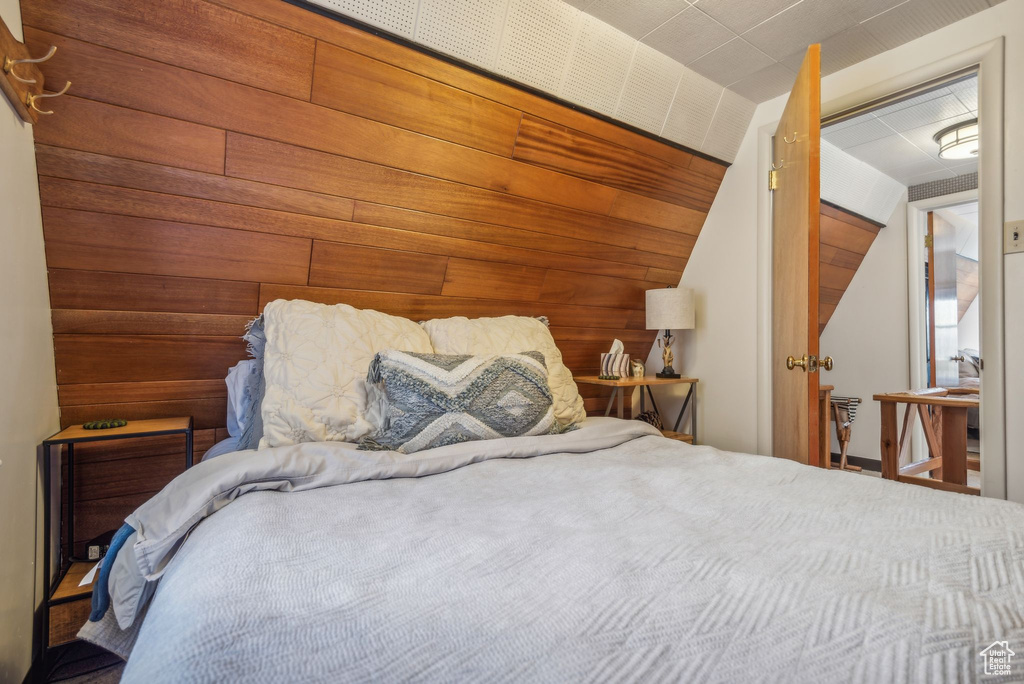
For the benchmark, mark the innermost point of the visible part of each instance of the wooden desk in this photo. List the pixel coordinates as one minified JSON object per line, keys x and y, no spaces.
{"x":646,"y":382}
{"x":944,"y":419}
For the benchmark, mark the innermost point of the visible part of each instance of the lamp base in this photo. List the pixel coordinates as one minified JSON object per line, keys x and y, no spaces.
{"x":663,"y":374}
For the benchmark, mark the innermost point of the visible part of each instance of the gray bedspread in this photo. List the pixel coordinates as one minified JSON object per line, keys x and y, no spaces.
{"x":648,"y":561}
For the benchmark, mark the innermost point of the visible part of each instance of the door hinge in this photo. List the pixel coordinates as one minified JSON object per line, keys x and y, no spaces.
{"x":773,"y":180}
{"x":928,"y":240}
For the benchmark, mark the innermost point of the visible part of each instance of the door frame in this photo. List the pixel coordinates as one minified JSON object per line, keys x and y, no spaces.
{"x":988,"y":57}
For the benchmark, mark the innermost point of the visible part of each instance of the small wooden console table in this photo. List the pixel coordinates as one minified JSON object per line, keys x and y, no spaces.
{"x":646,"y":382}
{"x":943,"y":415}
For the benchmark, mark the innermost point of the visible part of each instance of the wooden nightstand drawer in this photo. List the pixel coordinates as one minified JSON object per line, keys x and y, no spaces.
{"x":66,"y":619}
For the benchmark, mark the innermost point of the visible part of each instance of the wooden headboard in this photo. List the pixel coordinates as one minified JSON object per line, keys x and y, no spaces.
{"x":216,"y":155}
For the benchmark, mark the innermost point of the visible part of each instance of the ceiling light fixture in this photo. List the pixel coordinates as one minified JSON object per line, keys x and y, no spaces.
{"x":959,"y":141}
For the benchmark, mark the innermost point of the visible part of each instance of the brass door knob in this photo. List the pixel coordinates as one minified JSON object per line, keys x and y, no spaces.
{"x":826,"y":363}
{"x":792,"y":363}
{"x":960,"y":358}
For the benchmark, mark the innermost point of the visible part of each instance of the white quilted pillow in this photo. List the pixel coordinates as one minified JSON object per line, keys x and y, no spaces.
{"x":315,"y":367}
{"x":511,"y":335}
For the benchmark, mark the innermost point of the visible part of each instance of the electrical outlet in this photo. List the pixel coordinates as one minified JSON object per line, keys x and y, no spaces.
{"x":1013,"y":240}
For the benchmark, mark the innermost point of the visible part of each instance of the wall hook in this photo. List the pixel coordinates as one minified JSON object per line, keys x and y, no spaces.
{"x":30,"y":99}
{"x":786,"y":139}
{"x":9,"y":65}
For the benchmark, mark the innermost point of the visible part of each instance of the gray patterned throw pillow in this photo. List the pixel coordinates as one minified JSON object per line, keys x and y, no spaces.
{"x":422,"y":401}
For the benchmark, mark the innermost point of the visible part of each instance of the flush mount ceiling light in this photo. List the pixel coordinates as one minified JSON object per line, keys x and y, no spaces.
{"x":959,"y":141}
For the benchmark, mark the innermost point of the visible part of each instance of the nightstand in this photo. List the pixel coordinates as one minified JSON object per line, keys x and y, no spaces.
{"x":646,"y":382}
{"x":68,"y":604}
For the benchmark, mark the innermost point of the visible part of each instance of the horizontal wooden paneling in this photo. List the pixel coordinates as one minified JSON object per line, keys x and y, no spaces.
{"x":217,"y":154}
{"x":141,"y":358}
{"x":86,"y":125}
{"x":75,"y":289}
{"x":197,"y":35}
{"x":357,"y":84}
{"x":366,"y":268}
{"x":105,"y":242}
{"x":844,"y":240}
{"x":564,"y":149}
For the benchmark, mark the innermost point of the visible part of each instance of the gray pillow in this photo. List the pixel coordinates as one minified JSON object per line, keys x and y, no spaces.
{"x":428,"y":400}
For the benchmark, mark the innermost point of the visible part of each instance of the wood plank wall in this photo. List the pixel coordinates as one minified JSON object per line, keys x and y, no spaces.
{"x":214,"y":155}
{"x":845,"y":239}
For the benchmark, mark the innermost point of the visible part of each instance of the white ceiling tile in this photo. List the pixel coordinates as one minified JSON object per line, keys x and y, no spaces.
{"x":846,"y":48}
{"x":857,"y":186}
{"x":688,"y":35}
{"x":469,"y":32}
{"x":863,"y":130}
{"x":966,"y":91}
{"x":862,"y":10}
{"x":765,"y":84}
{"x":538,"y":37}
{"x":731,"y":62}
{"x":925,"y":113}
{"x":792,"y":30}
{"x":692,"y":110}
{"x":650,"y":87}
{"x":598,"y":66}
{"x":729,"y":126}
{"x":915,"y":18}
{"x":394,"y":16}
{"x":962,"y":169}
{"x":740,"y":15}
{"x":636,"y":18}
{"x":580,"y":4}
{"x":892,"y":153}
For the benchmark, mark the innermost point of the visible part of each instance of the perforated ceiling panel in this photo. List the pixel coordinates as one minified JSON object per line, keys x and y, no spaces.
{"x":692,"y":110}
{"x":396,"y":16}
{"x":539,"y":36}
{"x":598,"y":66}
{"x":650,"y":89}
{"x":857,"y":186}
{"x":467,"y":30}
{"x":729,"y":125}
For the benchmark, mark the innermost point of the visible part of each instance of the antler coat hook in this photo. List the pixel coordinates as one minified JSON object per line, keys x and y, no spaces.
{"x":9,"y":65}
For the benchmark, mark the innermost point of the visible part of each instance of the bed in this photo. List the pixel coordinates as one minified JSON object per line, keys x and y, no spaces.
{"x":605,"y":553}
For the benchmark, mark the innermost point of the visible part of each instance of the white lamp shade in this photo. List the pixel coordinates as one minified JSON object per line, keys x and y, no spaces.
{"x":670,"y":308}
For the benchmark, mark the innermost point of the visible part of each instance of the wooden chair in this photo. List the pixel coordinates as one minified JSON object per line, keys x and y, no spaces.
{"x":944,"y":420}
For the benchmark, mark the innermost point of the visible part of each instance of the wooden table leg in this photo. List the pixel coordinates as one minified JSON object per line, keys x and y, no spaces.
{"x":621,"y":393}
{"x":890,"y":441}
{"x":954,"y":445}
{"x":825,"y":429}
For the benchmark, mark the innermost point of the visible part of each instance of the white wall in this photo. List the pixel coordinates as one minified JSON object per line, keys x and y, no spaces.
{"x":969,"y":329}
{"x":868,"y":335}
{"x":28,"y":392}
{"x":723,"y":351}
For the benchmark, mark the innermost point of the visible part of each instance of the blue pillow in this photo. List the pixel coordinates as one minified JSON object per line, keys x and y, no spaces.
{"x":255,"y":387}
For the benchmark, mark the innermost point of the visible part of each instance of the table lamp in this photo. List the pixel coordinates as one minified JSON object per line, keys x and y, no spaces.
{"x":669,"y":309}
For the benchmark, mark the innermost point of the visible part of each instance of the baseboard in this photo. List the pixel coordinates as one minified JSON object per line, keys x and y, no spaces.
{"x":863,"y":463}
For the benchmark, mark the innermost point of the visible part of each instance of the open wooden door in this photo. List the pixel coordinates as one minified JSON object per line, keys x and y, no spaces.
{"x":795,"y":205}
